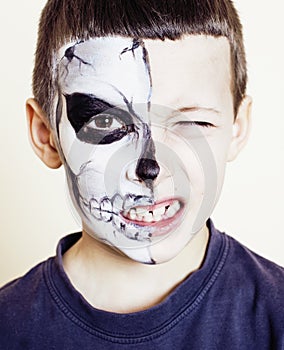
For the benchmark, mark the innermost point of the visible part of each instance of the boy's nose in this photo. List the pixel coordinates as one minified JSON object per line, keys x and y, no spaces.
{"x":147,"y":169}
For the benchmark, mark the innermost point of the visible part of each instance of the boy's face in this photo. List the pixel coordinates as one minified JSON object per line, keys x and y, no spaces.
{"x":145,"y":129}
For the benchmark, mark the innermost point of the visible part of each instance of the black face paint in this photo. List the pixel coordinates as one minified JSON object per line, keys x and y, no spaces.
{"x":148,"y":70}
{"x":92,"y":119}
{"x":147,"y":168}
{"x":70,"y":54}
{"x":58,"y":112}
{"x":135,"y":44}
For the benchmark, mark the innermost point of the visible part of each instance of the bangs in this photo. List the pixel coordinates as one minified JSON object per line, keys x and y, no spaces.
{"x":71,"y":20}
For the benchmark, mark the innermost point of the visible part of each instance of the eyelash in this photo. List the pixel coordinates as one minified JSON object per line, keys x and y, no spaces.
{"x":202,"y":124}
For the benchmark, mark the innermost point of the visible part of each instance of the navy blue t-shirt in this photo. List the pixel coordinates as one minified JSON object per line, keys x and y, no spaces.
{"x":235,"y":301}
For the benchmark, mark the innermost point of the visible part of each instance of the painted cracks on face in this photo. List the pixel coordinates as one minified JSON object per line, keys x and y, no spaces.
{"x":135,"y":44}
{"x":70,"y":55}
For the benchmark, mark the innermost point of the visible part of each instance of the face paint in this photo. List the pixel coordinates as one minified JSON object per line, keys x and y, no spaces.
{"x":111,"y":161}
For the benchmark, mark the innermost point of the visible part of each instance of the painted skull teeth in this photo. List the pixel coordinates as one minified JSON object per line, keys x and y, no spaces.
{"x":131,"y":231}
{"x":133,"y":201}
{"x":106,"y":210}
{"x":95,"y":209}
{"x":117,"y":203}
{"x":154,"y":215}
{"x":101,"y":210}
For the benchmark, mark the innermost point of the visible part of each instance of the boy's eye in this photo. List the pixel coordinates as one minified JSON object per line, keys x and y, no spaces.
{"x":105,"y":122}
{"x":197,"y":123}
{"x":105,"y":128}
{"x":192,"y":129}
{"x":96,"y":121}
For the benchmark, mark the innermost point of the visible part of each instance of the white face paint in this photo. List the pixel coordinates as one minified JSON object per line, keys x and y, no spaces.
{"x":130,"y":192}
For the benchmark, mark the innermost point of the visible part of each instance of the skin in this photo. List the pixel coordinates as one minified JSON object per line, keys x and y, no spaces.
{"x":194,"y":85}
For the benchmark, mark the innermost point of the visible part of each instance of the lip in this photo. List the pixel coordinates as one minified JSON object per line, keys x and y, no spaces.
{"x":165,"y":225}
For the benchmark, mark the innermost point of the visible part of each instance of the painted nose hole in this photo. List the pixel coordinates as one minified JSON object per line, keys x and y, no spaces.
{"x":147,"y":169}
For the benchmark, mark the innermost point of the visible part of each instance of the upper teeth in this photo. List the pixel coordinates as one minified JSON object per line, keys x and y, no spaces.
{"x":146,"y":215}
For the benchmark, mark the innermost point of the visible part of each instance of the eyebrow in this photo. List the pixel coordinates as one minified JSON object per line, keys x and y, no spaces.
{"x":198,"y":109}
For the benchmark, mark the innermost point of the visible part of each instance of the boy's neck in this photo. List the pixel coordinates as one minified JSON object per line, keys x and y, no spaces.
{"x":113,"y":282}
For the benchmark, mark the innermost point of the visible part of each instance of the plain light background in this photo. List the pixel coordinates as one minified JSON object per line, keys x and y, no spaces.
{"x":34,"y":210}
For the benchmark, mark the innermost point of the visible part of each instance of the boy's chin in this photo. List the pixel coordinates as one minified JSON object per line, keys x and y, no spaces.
{"x":142,"y":256}
{"x":154,"y":251}
{"x":160,"y":253}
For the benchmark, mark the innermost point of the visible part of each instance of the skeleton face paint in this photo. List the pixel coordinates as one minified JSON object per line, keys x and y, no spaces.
{"x":130,"y":192}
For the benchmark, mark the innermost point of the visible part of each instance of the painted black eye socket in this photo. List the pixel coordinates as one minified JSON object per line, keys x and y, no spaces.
{"x":96,"y":121}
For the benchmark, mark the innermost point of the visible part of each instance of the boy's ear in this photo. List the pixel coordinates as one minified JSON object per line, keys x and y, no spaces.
{"x":41,"y":136}
{"x":241,"y":128}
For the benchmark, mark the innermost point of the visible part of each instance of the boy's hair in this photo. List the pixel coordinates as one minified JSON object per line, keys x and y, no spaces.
{"x":63,"y":21}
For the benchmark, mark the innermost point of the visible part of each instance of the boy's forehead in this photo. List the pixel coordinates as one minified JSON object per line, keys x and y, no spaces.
{"x":195,"y":70}
{"x":110,"y":66}
{"x":186,"y":66}
{"x":187,"y":45}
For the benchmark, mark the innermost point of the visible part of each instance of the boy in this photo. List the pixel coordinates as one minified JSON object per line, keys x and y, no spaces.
{"x":143,"y":103}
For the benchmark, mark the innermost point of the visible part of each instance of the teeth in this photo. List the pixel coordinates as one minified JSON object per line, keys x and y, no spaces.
{"x":171,"y":211}
{"x":142,"y":214}
{"x":117,"y":203}
{"x":159,"y":211}
{"x":148,"y":217}
{"x":106,"y":209}
{"x":128,"y":202}
{"x":176,"y":205}
{"x":132,"y":214}
{"x":157,"y":218}
{"x":141,"y":211}
{"x":130,"y":231}
{"x":116,"y":221}
{"x":95,"y":209}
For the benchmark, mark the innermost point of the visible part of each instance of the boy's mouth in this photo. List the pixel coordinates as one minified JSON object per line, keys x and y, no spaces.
{"x":139,"y":217}
{"x":159,"y":214}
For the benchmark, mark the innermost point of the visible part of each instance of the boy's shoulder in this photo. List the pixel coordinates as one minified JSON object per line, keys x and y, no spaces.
{"x":254,"y":279}
{"x":34,"y":289}
{"x":23,"y":290}
{"x":254,"y":266}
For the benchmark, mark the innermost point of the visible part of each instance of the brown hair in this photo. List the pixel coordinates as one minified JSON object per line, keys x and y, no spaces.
{"x":63,"y":21}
